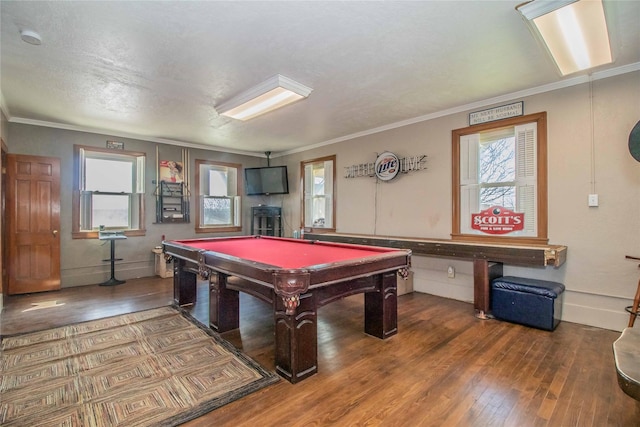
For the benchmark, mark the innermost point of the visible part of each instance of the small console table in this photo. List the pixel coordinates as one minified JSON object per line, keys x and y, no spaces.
{"x":112,"y":236}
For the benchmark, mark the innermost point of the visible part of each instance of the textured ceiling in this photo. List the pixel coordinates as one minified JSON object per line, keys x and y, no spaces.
{"x":156,"y":70}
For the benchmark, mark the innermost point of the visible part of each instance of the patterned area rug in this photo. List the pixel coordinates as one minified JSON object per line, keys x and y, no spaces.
{"x":152,"y":368}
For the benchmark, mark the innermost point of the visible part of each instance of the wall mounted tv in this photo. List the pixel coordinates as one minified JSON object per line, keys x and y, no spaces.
{"x":266,"y":181}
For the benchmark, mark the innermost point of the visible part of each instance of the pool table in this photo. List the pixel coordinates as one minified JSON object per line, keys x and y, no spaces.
{"x":296,"y":277}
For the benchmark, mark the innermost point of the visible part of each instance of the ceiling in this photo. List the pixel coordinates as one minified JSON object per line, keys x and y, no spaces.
{"x":156,"y":70}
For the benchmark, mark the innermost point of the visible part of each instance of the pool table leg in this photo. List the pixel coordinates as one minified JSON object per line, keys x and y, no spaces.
{"x":224,"y":304}
{"x":381,"y":307}
{"x":184,"y":283}
{"x":296,"y":339}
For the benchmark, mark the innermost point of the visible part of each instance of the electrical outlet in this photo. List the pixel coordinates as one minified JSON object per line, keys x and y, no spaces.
{"x":451,"y":272}
{"x":593,"y":200}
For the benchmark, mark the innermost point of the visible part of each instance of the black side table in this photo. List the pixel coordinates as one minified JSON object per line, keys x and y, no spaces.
{"x":112,"y":237}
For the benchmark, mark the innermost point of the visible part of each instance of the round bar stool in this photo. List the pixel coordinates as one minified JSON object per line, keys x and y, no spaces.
{"x":633,"y":309}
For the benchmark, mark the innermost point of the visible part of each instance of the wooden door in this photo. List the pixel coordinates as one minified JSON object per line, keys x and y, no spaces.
{"x":3,"y":234}
{"x":33,"y":223}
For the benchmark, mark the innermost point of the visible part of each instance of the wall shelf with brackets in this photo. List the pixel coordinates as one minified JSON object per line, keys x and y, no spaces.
{"x":172,"y":186}
{"x":173,"y":202}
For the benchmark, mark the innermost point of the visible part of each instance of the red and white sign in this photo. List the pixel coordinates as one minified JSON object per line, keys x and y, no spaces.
{"x":497,"y":220}
{"x":387,"y":166}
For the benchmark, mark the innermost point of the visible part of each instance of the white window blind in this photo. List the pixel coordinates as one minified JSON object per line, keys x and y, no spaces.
{"x":469,"y":188}
{"x":526,"y":175}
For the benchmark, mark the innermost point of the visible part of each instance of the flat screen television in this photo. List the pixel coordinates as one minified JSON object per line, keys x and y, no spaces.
{"x":266,"y":181}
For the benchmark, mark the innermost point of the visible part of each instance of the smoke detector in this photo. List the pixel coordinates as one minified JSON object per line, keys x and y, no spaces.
{"x":31,"y":37}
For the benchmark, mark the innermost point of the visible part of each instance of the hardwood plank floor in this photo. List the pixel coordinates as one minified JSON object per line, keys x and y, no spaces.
{"x":444,"y":368}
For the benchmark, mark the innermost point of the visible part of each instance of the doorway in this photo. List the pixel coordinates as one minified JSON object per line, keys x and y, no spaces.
{"x":3,"y":243}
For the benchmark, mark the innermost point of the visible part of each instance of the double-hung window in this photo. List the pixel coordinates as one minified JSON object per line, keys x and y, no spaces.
{"x":219,"y":202}
{"x":108,"y":191}
{"x":318,"y":176}
{"x":499,"y":181}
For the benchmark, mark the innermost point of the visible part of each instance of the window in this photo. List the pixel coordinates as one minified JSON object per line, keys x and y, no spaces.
{"x":500,"y":181}
{"x":218,"y":190}
{"x":318,"y":195}
{"x":108,"y":191}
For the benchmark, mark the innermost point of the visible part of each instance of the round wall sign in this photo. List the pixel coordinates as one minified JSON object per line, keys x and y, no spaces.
{"x":387,"y":166}
{"x":634,"y":142}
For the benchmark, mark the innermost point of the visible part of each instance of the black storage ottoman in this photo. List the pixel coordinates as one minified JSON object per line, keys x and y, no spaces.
{"x":531,"y":302}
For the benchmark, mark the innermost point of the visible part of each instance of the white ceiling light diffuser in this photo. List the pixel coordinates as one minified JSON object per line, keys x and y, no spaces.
{"x":274,"y":93}
{"x":574,"y":32}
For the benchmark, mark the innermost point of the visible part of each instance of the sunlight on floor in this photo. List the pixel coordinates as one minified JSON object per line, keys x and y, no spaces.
{"x":44,"y":304}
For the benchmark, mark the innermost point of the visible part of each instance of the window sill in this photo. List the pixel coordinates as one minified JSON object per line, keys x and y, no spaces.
{"x":472,"y":238}
{"x":317,"y":230}
{"x":94,"y":234}
{"x":226,"y":229}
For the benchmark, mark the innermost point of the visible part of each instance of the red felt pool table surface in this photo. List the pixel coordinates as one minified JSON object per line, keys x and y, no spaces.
{"x":284,"y":253}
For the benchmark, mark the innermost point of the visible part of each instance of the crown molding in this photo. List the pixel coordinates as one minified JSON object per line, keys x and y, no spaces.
{"x":108,"y":132}
{"x":479,"y":104}
{"x":3,"y":106}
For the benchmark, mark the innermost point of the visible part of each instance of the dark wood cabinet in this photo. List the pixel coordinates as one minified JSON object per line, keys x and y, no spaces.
{"x":266,"y":220}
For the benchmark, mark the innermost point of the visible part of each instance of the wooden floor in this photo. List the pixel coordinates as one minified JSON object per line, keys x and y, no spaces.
{"x":444,"y":368}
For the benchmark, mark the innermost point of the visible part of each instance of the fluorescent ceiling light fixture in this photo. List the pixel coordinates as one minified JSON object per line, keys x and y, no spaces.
{"x":574,"y":32}
{"x":274,"y":93}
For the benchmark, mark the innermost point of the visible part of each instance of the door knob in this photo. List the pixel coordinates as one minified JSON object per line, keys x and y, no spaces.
{"x":55,"y":232}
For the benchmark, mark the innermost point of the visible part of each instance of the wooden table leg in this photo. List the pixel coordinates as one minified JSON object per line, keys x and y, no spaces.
{"x":634,"y":308}
{"x":483,"y":273}
{"x":184,"y":283}
{"x":224,"y":304}
{"x":296,"y":339}
{"x":381,"y":307}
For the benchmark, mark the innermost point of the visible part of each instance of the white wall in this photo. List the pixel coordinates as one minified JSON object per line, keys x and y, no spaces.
{"x":584,"y":155}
